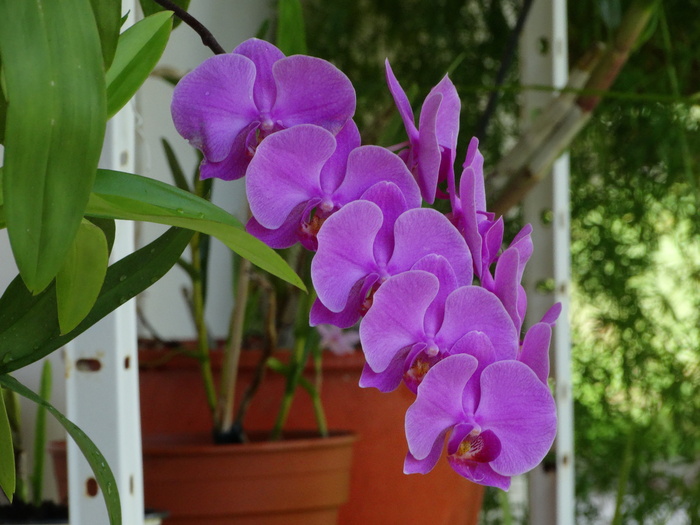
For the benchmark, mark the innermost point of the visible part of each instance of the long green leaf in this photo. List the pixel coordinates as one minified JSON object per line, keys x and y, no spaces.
{"x":29,"y":327}
{"x":291,"y":34}
{"x":118,"y":195}
{"x":79,"y":282}
{"x":138,"y":51}
{"x":56,"y":117}
{"x":108,"y":16}
{"x":7,"y":453}
{"x":97,"y":462}
{"x":37,"y":475}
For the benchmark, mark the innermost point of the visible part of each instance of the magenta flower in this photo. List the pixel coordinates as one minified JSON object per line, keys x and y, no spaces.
{"x":420,"y":317}
{"x":505,"y":432}
{"x":432,"y":144}
{"x":230,"y":102}
{"x":366,"y":242}
{"x":302,"y":175}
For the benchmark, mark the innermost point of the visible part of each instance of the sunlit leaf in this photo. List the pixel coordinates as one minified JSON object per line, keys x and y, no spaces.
{"x":29,"y":327}
{"x":120,"y":195}
{"x":138,"y":51}
{"x":79,"y":282}
{"x":97,"y":462}
{"x":7,"y":453}
{"x":54,"y":80}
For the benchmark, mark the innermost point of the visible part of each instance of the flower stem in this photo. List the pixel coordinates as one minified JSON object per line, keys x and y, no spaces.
{"x":206,"y":36}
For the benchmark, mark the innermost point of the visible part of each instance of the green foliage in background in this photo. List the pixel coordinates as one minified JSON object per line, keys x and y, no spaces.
{"x":634,"y":192}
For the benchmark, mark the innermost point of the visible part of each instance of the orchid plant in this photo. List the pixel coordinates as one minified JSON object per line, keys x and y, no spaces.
{"x":440,"y":304}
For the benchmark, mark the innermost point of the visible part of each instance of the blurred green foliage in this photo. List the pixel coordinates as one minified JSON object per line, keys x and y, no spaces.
{"x":634,"y":195}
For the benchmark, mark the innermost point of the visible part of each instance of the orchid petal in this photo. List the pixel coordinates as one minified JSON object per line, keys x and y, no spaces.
{"x":349,"y":315}
{"x":550,"y":317}
{"x":282,"y":237}
{"x":214,"y":103}
{"x":392,"y":202}
{"x":422,"y":231}
{"x":263,"y":54}
{"x":395,"y":320}
{"x":345,"y":252}
{"x":507,"y":283}
{"x":368,"y":165}
{"x":535,"y":350}
{"x":401,"y":101}
{"x":312,"y":90}
{"x":471,"y":308}
{"x":412,"y":465}
{"x":334,"y":170}
{"x":428,"y":150}
{"x":521,"y":411}
{"x":234,"y":166}
{"x":285,"y":172}
{"x":438,"y":405}
{"x":448,"y":114}
{"x":440,"y":267}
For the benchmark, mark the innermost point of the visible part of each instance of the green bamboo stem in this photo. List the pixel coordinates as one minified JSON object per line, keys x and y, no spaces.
{"x":232,"y":353}
{"x":37,"y":476}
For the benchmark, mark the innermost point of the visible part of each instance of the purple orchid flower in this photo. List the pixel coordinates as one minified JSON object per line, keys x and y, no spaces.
{"x":365,"y":242}
{"x":505,"y":432}
{"x":302,"y":175}
{"x":432,"y":144}
{"x":230,"y":102}
{"x":421,"y":316}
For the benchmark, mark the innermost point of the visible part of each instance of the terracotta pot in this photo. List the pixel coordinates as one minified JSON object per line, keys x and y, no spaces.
{"x":298,"y":481}
{"x":172,"y":397}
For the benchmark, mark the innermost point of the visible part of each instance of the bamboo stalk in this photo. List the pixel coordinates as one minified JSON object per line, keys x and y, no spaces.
{"x":535,"y":153}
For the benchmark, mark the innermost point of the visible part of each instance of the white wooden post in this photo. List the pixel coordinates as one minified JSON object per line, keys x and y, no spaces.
{"x":102,"y":373}
{"x":543,"y":52}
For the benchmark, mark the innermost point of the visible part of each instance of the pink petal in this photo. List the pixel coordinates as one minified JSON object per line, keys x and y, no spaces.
{"x":535,"y":350}
{"x":285,"y":172}
{"x":423,"y":231}
{"x":438,"y":405}
{"x":471,"y":308}
{"x":214,"y":103}
{"x":521,"y":411}
{"x":345,"y":252}
{"x":311,"y":90}
{"x":395,"y":320}
{"x":263,"y":54}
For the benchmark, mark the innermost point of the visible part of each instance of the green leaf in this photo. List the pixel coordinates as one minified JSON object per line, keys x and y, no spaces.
{"x":120,"y":195}
{"x":29,"y":327}
{"x":3,"y":109}
{"x":108,"y":14}
{"x":37,"y":475}
{"x":79,"y":282}
{"x":149,"y":7}
{"x":97,"y":462}
{"x":56,"y":116}
{"x":138,"y":51}
{"x":175,"y":168}
{"x":7,"y":453}
{"x":291,"y":35}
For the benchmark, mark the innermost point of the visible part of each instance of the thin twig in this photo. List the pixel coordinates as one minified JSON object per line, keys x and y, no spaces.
{"x":206,"y":36}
